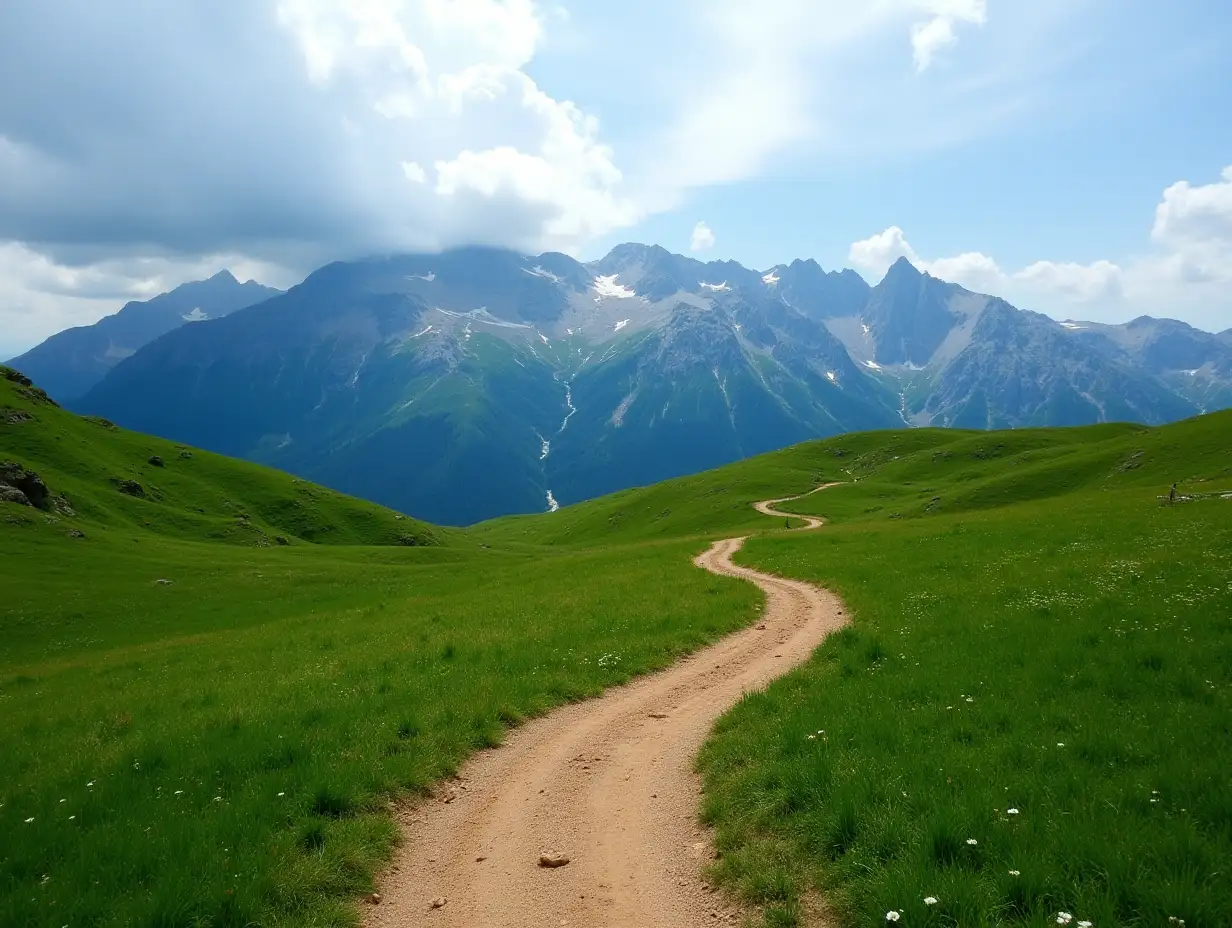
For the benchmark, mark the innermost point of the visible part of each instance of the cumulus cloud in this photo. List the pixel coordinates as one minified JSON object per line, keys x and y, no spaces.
{"x":933,"y":35}
{"x":702,"y":239}
{"x":875,"y":254}
{"x":1187,"y":275}
{"x":297,"y":122}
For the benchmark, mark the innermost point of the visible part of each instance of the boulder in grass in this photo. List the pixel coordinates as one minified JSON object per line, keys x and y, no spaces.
{"x":27,"y":482}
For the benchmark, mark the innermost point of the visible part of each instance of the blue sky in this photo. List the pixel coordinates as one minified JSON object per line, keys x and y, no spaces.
{"x":1074,"y":157}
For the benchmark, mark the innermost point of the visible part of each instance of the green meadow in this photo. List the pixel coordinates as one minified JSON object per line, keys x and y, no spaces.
{"x":1033,"y":630}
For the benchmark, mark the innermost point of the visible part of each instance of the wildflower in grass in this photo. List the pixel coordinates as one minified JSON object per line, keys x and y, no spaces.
{"x":179,"y":792}
{"x":812,"y":737}
{"x":30,"y":819}
{"x":1011,"y":811}
{"x":1060,"y":744}
{"x":972,"y":841}
{"x":282,"y":794}
{"x":931,"y":900}
{"x":1064,"y":918}
{"x":1085,"y":924}
{"x":1015,"y":873}
{"x":892,"y":916}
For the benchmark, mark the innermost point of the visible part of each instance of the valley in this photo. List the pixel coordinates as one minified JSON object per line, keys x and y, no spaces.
{"x":251,"y":718}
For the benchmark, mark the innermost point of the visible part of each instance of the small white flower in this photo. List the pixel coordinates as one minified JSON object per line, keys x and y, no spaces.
{"x":1060,"y":744}
{"x":1064,"y":918}
{"x":282,"y":794}
{"x":1011,"y":811}
{"x":71,"y":817}
{"x":1085,"y":924}
{"x":892,"y":916}
{"x":1015,"y":873}
{"x":179,"y":792}
{"x":218,"y":799}
{"x":30,"y":819}
{"x":91,"y":783}
{"x":972,"y":841}
{"x":931,"y":900}
{"x":970,"y":699}
{"x":812,"y":737}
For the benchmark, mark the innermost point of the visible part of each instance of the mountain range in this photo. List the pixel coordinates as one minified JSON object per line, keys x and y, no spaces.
{"x":480,"y":382}
{"x":69,"y":363}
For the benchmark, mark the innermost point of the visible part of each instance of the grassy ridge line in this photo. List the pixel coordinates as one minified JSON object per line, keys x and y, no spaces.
{"x":907,"y":468}
{"x":193,"y":495}
{"x":1069,"y":659}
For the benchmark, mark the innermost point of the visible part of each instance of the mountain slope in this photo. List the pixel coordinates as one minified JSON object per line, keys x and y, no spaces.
{"x":69,"y":363}
{"x":101,"y":478}
{"x":480,"y":382}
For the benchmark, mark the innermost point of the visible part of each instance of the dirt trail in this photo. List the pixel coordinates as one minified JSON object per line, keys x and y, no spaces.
{"x":608,"y":783}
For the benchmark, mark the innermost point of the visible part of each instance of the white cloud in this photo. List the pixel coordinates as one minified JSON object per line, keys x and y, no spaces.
{"x":1187,"y":276}
{"x":1076,"y":283}
{"x":702,"y":239}
{"x":933,"y":35}
{"x":875,"y":254}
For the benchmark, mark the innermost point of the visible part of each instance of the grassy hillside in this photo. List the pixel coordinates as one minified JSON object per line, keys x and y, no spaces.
{"x":1034,"y":629}
{"x":108,"y":479}
{"x":220,"y":748}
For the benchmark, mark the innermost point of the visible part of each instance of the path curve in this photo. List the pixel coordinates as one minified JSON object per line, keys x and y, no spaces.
{"x":609,"y":783}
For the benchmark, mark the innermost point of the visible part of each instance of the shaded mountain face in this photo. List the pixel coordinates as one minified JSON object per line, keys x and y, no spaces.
{"x":818,"y":294}
{"x":71,"y":362}
{"x":480,"y":382}
{"x":1195,"y":364}
{"x":1022,"y":369}
{"x":909,"y":315}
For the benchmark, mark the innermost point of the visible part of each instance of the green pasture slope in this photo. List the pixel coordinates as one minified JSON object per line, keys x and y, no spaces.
{"x":1034,"y":630}
{"x":221,"y":749}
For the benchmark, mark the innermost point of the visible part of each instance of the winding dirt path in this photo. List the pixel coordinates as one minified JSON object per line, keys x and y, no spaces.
{"x":609,"y":783}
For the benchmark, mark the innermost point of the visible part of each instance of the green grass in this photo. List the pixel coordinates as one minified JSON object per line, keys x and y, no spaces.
{"x":222,"y":749}
{"x":1068,"y":657}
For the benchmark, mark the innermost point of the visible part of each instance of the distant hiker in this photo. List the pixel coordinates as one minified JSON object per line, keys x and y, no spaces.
{"x":1172,"y":495}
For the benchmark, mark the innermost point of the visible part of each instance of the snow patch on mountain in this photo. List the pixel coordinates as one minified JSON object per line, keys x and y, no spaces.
{"x":538,"y":271}
{"x":770,"y":278}
{"x":196,"y":315}
{"x":716,"y":288}
{"x":607,"y":287}
{"x":621,"y":324}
